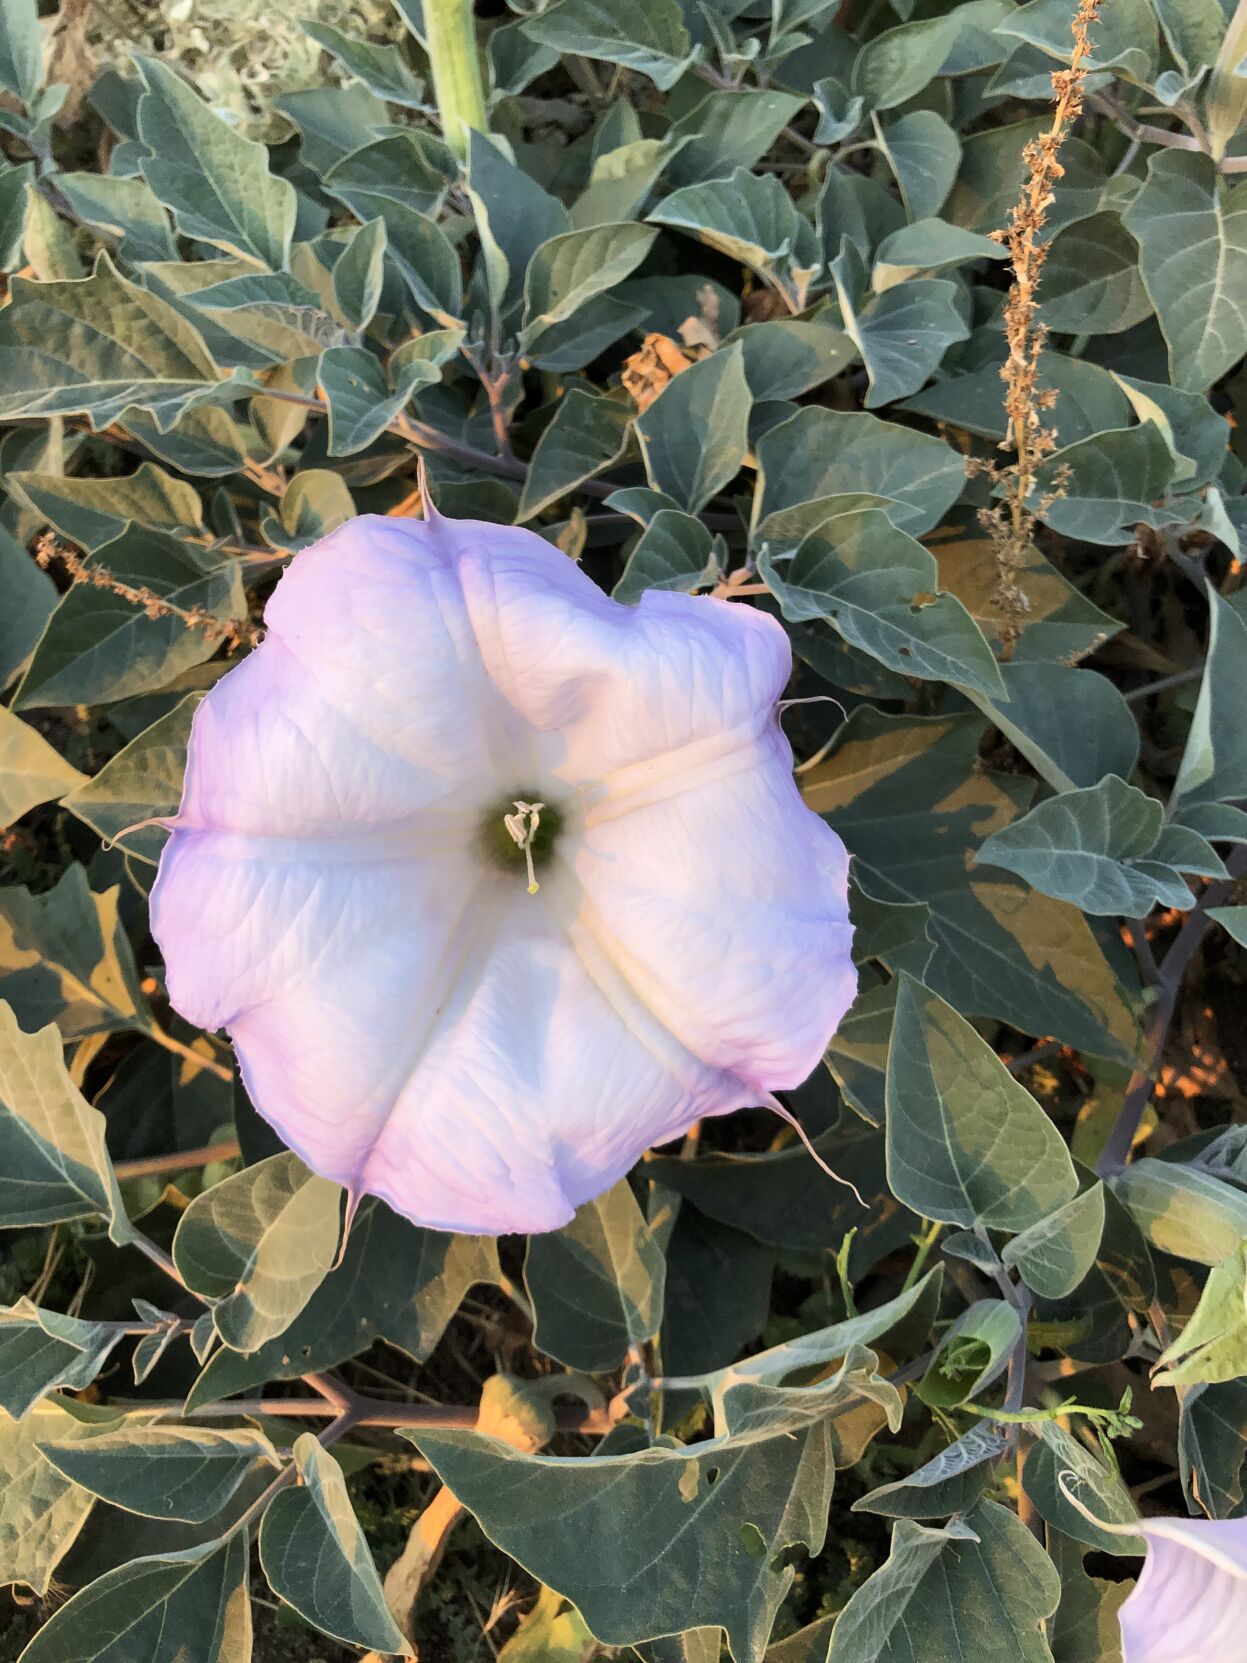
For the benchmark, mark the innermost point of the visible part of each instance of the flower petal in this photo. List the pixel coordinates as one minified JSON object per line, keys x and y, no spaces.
{"x":1190,"y":1603}
{"x":652,"y":690}
{"x":703,"y":871}
{"x":730,"y":902}
{"x":538,"y":1090}
{"x":366,"y":702}
{"x":428,"y":1034}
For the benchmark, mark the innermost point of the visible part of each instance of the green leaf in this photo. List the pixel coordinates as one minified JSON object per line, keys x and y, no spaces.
{"x":647,"y":36}
{"x":279,"y":317}
{"x":1092,"y":284}
{"x":101,"y":645}
{"x":1194,"y":30}
{"x":729,"y":129}
{"x":1110,"y":482}
{"x":514,"y":217}
{"x":1212,"y":1446}
{"x":142,"y":782}
{"x":91,"y":512}
{"x":333,"y":121}
{"x":980,"y":1588}
{"x":397,"y":168}
{"x":31,"y":772}
{"x":381,"y":67}
{"x":951,"y":1482}
{"x":21,"y":49}
{"x":910,"y":802}
{"x":783,"y":1382}
{"x":695,"y":435}
{"x":358,"y":273}
{"x":569,"y":270}
{"x":43,"y":1350}
{"x":1183,"y":1211}
{"x":47,"y":240}
{"x":551,"y":1632}
{"x":596,"y":1285}
{"x":925,"y":154}
{"x":1054,"y":1255}
{"x":1124,"y":37}
{"x":822,"y":453}
{"x":784,"y":1200}
{"x":718,"y":1293}
{"x":259,"y":1244}
{"x":1086,"y":1628}
{"x":166,"y":1472}
{"x":1214,"y":764}
{"x":994,"y":169}
{"x":1192,"y":236}
{"x":875,"y":585}
{"x":966,"y":1142}
{"x":588,"y":434}
{"x":902,"y":334}
{"x":361,"y":402}
{"x":751,"y":218}
{"x":1072,"y":726}
{"x":675,"y":551}
{"x":1212,"y":1347}
{"x":1060,"y":625}
{"x":54,"y":1165}
{"x":620,"y":182}
{"x":667,"y":1521}
{"x":577,"y":340}
{"x":1100,"y":1316}
{"x":785,"y":357}
{"x":1106,"y":849}
{"x":1099,"y":1488}
{"x":314,"y":503}
{"x":315,"y":1556}
{"x":193,"y":1608}
{"x":216,"y":182}
{"x":64,"y":958}
{"x":29,"y":599}
{"x":973,"y":1352}
{"x":95,"y":347}
{"x":896,"y":65}
{"x":43,"y":1512}
{"x":395,"y":1282}
{"x":928,"y":245}
{"x":125,"y":208}
{"x":1233,"y":919}
{"x":839,"y":111}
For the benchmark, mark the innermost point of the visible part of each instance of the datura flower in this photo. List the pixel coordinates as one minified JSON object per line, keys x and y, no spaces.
{"x":494,"y":881}
{"x":1190,"y":1602}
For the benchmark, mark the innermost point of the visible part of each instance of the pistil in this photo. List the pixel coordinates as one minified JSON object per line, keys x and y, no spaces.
{"x":522,"y":828}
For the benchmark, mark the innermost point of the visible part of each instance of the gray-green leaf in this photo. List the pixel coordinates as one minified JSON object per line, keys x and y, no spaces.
{"x":316,"y":1558}
{"x":259,"y":1243}
{"x":966,"y":1142}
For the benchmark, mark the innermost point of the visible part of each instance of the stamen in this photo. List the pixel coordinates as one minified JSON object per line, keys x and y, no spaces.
{"x":522,"y":827}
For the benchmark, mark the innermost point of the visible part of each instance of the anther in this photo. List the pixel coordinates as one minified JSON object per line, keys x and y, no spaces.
{"x":522,"y":827}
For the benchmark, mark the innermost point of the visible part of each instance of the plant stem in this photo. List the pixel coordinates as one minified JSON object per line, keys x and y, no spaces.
{"x":185,"y":1160}
{"x":1169,"y":984}
{"x":197,"y":1057}
{"x":376,"y":1411}
{"x":457,"y":85}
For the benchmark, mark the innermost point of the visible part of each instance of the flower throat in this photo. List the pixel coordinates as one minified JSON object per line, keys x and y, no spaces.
{"x":522,"y":834}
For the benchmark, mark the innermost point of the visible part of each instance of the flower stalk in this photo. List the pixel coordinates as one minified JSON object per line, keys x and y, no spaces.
{"x":457,"y":86}
{"x":1011,"y":526}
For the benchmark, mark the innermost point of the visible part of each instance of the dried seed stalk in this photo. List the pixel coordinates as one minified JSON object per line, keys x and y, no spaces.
{"x":233,"y":634}
{"x":1010,"y":524}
